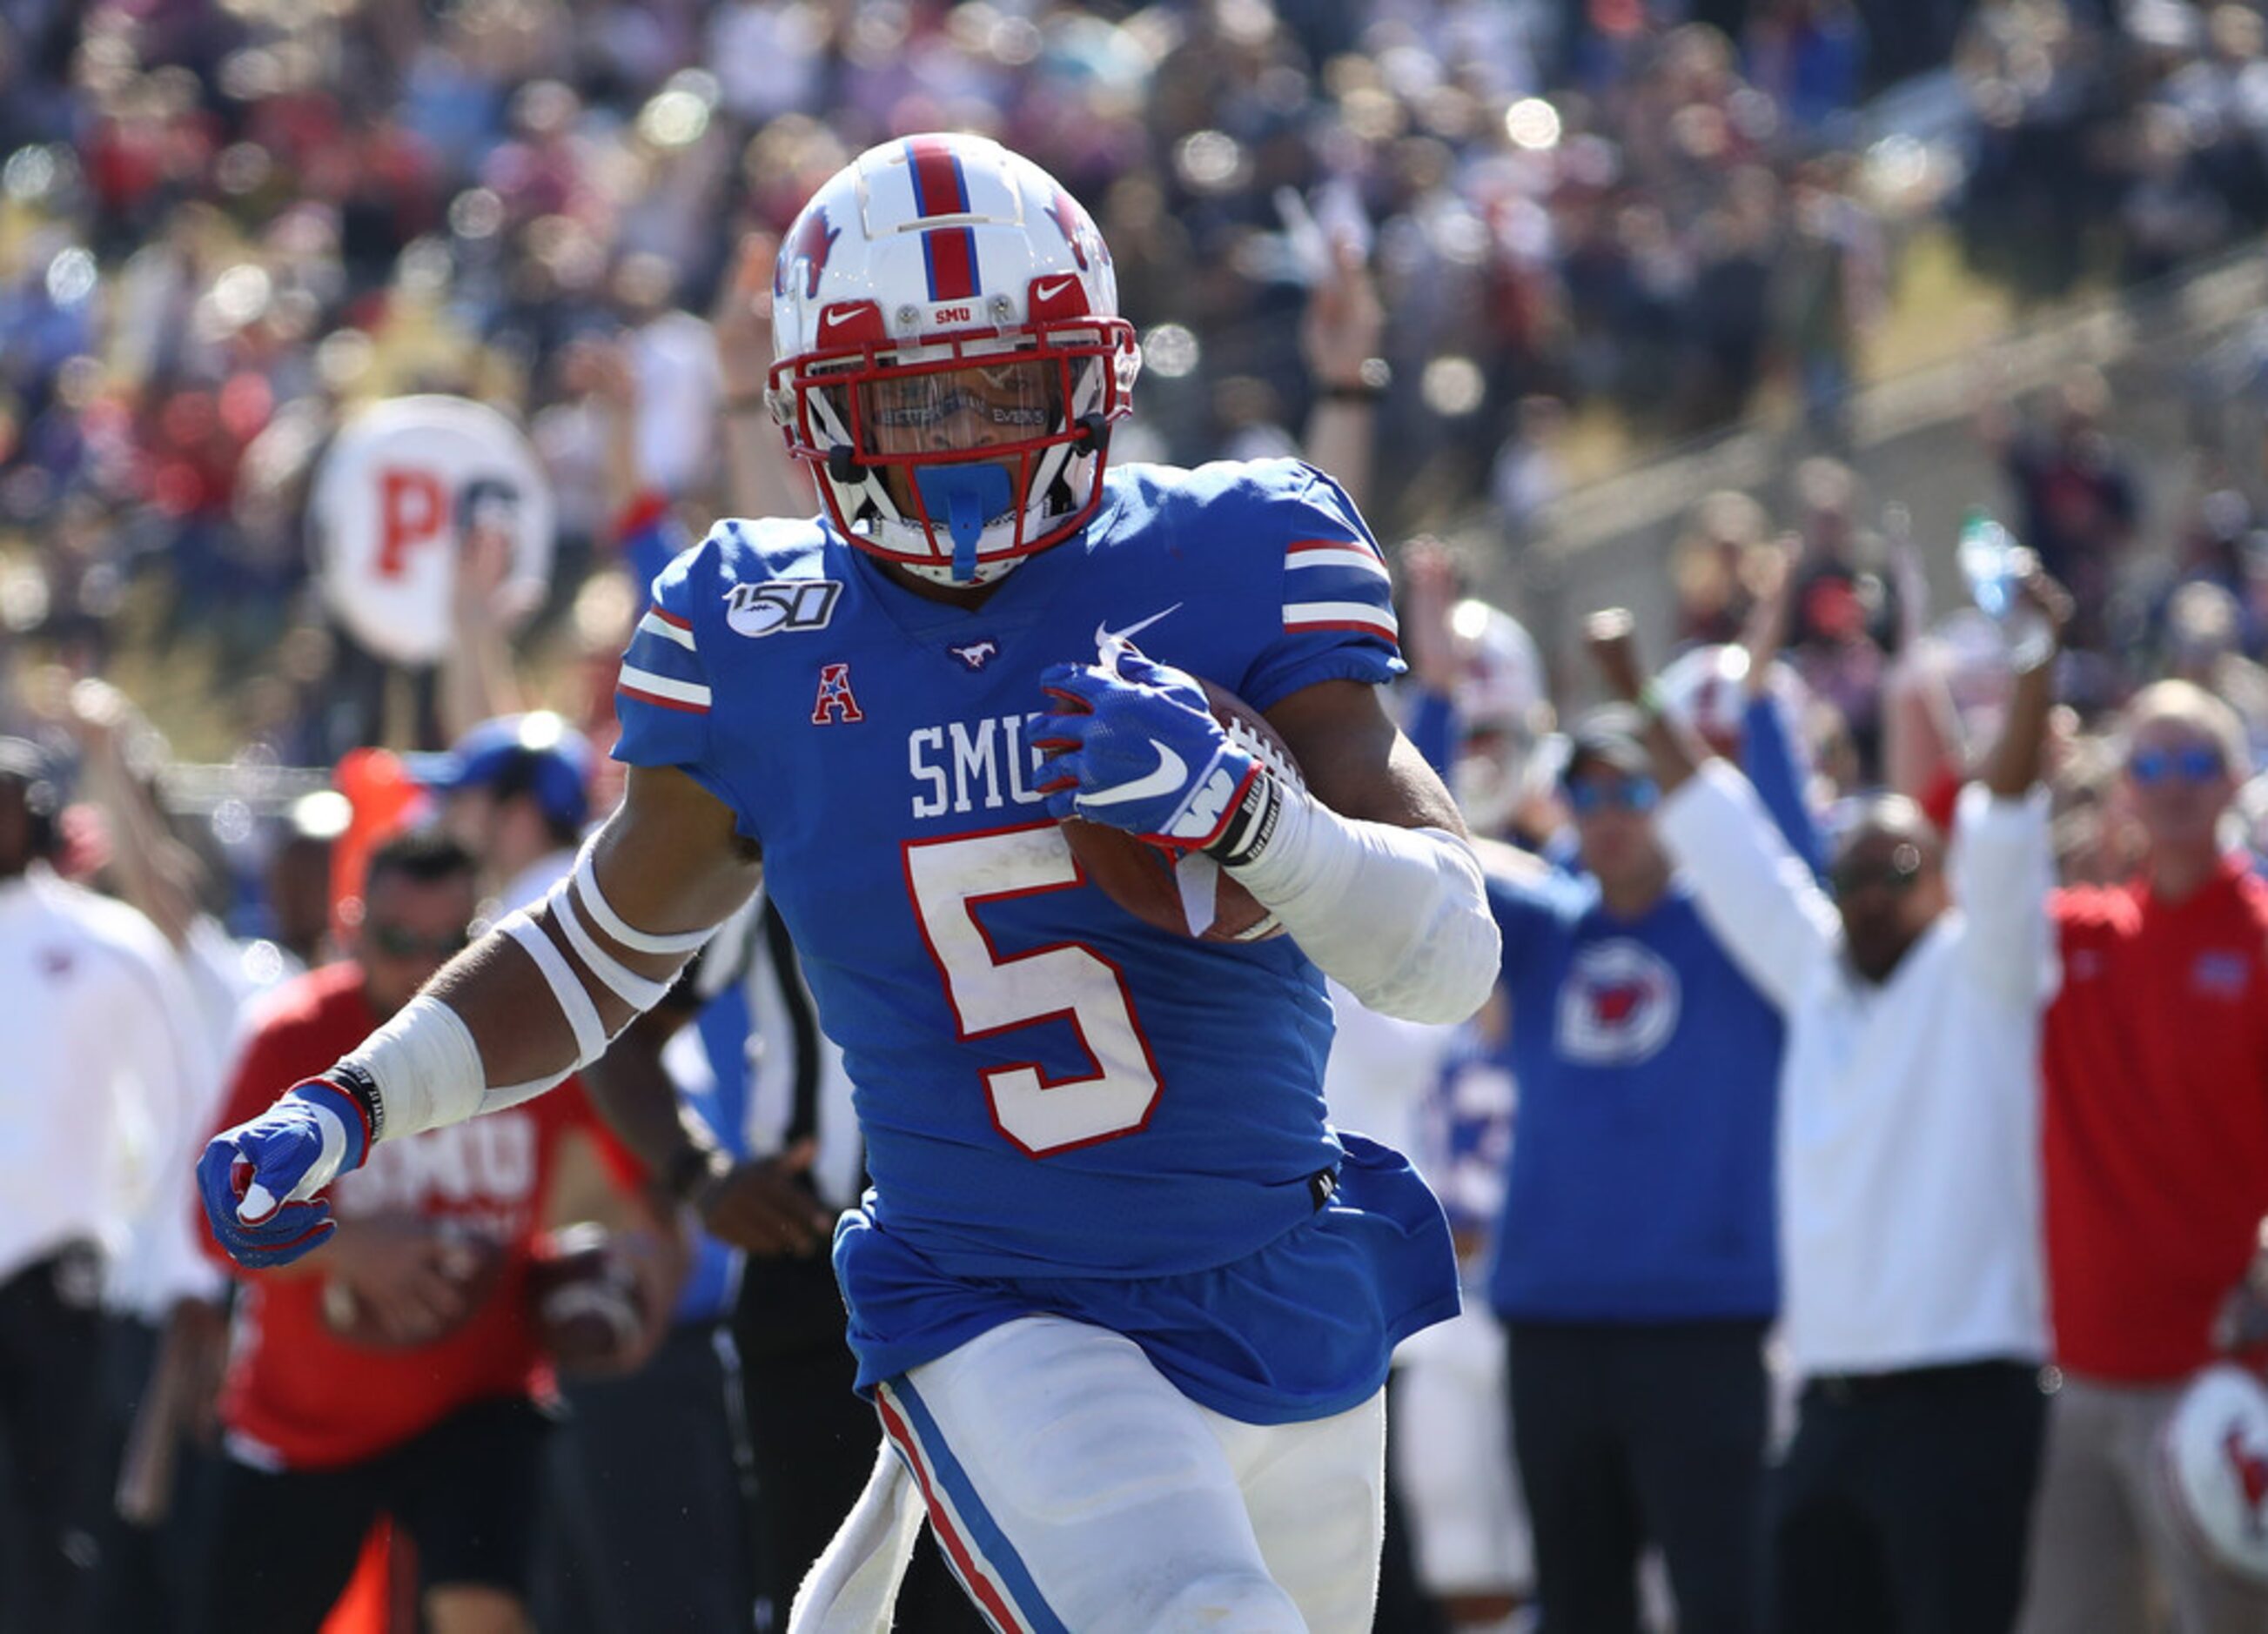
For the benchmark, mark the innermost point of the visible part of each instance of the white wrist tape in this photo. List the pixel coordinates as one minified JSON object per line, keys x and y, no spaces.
{"x":639,"y":992}
{"x":426,"y":1066}
{"x":587,"y":880}
{"x":1399,"y":916}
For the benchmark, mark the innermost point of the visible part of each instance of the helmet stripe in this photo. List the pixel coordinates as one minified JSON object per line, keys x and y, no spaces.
{"x":950,"y":256}
{"x":941,"y":189}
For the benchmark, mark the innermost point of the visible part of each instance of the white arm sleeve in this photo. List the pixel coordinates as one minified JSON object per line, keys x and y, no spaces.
{"x":1398,"y":916}
{"x":2001,"y":866}
{"x":1755,"y":895}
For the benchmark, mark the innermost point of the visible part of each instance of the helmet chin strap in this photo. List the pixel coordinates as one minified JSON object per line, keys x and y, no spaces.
{"x":968,"y":496}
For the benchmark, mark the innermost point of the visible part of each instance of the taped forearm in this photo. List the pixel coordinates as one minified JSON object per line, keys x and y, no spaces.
{"x":425,"y":1067}
{"x":1398,"y":916}
{"x":421,"y":1071}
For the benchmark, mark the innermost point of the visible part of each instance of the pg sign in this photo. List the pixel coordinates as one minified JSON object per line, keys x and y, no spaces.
{"x":398,"y":489}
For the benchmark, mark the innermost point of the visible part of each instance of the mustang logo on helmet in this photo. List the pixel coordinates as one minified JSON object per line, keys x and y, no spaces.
{"x":2211,"y":1455}
{"x":1068,"y":217}
{"x":2251,"y":1470}
{"x":813,"y":243}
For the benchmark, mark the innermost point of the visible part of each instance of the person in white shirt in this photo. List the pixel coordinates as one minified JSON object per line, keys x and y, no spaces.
{"x":166,"y":1347}
{"x":1914,"y":1315}
{"x":99,"y":1109}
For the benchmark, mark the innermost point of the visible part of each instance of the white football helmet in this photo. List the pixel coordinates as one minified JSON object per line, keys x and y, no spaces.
{"x":2212,"y":1456}
{"x":1706,"y":689}
{"x":1502,"y":710}
{"x":951,"y":356}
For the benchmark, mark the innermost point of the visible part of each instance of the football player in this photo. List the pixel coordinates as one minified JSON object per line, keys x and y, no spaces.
{"x":1121,"y":1296}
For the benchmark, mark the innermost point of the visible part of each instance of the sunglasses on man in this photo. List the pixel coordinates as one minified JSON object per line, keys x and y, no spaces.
{"x":394,"y":941}
{"x":2194,"y":763}
{"x":1588,"y":795}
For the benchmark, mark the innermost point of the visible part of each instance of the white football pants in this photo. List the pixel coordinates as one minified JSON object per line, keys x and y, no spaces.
{"x":1075,"y":1491}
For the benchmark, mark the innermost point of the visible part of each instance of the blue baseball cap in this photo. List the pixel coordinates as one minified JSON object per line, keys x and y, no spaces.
{"x":536,"y":754}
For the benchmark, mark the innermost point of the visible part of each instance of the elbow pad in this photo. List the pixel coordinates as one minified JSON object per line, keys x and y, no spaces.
{"x":1399,"y":917}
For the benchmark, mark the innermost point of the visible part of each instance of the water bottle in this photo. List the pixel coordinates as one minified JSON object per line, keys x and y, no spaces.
{"x":1992,"y":562}
{"x":1996,"y":566}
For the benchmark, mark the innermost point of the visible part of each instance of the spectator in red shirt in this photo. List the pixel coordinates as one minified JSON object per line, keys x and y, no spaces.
{"x":429,"y":1414}
{"x":2155,"y":1126}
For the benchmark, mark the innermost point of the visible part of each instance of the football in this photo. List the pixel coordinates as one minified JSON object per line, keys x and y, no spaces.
{"x":473,"y":1261}
{"x":1191,"y":896}
{"x":589,"y":1303}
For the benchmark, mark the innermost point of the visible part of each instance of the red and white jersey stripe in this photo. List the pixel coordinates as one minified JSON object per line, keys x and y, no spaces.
{"x":1338,"y":583}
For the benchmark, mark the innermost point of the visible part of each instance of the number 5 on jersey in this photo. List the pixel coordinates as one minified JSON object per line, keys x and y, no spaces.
{"x":989,"y":993}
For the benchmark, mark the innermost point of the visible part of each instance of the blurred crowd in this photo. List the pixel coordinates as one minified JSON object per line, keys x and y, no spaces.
{"x":223,"y":225}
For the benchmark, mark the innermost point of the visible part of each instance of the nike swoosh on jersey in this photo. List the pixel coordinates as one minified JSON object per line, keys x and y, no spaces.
{"x":1172,"y":772}
{"x":1104,"y":635}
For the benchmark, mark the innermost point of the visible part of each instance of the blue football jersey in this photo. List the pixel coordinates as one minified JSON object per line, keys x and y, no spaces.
{"x":1048,"y":1087}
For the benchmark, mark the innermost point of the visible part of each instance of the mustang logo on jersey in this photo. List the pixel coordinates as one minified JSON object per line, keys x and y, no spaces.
{"x":779,"y":604}
{"x":977,"y":653}
{"x":1618,"y":1006}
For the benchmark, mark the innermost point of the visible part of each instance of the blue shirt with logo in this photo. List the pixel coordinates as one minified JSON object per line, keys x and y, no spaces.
{"x":1064,"y":1108}
{"x":1642,"y":1186}
{"x":1641,"y":1183}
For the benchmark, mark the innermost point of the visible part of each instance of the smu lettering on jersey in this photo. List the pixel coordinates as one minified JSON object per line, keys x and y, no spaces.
{"x":1048,"y":1085}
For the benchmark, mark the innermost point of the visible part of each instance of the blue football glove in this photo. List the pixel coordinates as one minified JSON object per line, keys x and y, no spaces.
{"x":255,"y":1179}
{"x":1141,"y":751}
